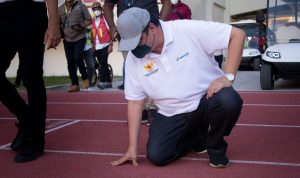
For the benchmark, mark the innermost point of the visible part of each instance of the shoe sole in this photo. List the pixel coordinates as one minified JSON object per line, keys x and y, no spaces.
{"x":200,"y":152}
{"x":27,"y":159}
{"x":219,"y":165}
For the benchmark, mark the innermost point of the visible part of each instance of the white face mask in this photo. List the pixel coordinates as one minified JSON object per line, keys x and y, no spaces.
{"x":97,"y":13}
{"x":174,"y":1}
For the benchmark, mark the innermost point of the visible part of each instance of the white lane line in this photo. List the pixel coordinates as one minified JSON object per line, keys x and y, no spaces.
{"x":125,"y":103}
{"x":273,"y":105}
{"x":267,"y":125}
{"x":249,"y":162}
{"x":125,"y":121}
{"x":84,"y":103}
{"x":62,"y":126}
{"x":184,"y":158}
{"x":48,"y":131}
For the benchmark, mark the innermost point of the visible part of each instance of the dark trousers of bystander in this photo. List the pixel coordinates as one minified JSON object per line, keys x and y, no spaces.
{"x":102,"y":57}
{"x":23,"y":25}
{"x":74,"y":54}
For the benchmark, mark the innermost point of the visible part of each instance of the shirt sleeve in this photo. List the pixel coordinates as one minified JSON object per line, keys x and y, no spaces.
{"x":133,"y":88}
{"x":86,"y":13}
{"x":212,"y":36}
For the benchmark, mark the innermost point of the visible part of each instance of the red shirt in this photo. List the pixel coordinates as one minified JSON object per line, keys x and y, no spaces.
{"x":180,"y":11}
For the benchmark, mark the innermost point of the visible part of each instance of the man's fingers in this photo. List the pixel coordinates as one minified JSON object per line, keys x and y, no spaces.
{"x":123,"y":160}
{"x":134,"y":162}
{"x":119,"y":162}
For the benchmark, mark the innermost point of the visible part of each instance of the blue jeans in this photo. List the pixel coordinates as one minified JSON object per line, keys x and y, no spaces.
{"x":74,"y":53}
{"x":172,"y":137}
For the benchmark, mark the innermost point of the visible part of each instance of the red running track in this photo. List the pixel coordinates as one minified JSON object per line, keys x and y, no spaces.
{"x":86,"y":131}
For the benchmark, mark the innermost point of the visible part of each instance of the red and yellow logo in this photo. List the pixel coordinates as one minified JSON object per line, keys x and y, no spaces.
{"x":149,"y":66}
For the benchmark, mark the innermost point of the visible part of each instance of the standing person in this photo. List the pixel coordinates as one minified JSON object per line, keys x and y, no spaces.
{"x":179,"y":11}
{"x":103,"y":45}
{"x":88,"y":55}
{"x":150,"y":5}
{"x":74,"y":18}
{"x":30,"y":43}
{"x":197,"y":103}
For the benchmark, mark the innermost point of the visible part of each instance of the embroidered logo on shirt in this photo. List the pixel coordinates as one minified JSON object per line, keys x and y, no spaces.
{"x":184,"y":56}
{"x":149,"y":67}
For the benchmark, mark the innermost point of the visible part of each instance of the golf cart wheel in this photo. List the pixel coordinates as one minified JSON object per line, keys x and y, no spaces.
{"x":256,"y":64}
{"x":94,"y":78}
{"x":266,"y":77}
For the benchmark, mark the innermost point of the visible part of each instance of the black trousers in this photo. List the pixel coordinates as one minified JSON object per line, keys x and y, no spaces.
{"x":74,"y":54}
{"x":172,"y":137}
{"x":102,"y":57}
{"x":23,"y":25}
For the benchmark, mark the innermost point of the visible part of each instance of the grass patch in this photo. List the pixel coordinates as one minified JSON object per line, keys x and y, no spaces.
{"x":55,"y":80}
{"x":49,"y":81}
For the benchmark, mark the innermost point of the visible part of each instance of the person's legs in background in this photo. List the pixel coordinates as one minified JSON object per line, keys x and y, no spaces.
{"x":105,"y":80}
{"x":90,"y":64}
{"x":124,"y":54}
{"x":78,"y":57}
{"x":72,"y":69}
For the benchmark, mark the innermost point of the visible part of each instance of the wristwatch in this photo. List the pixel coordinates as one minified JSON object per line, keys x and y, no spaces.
{"x":229,"y":76}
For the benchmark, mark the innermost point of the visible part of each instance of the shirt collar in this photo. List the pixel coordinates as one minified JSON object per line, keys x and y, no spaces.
{"x":168,"y":38}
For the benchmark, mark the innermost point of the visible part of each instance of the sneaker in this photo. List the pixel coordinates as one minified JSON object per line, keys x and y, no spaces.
{"x":29,"y":152}
{"x":74,"y":88}
{"x":85,"y":84}
{"x":218,"y":160}
{"x":145,"y":116}
{"x":101,"y":85}
{"x":108,"y":85}
{"x":151,"y":115}
{"x":200,"y":151}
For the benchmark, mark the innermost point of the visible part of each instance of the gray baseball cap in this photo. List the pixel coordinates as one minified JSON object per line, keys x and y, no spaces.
{"x":130,"y":25}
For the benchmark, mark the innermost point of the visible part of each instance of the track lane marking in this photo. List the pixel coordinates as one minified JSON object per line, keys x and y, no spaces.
{"x":48,"y":131}
{"x":124,"y":103}
{"x":271,"y":163}
{"x":125,"y":121}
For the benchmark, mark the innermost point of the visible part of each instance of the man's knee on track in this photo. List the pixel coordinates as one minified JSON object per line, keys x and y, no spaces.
{"x":156,"y":157}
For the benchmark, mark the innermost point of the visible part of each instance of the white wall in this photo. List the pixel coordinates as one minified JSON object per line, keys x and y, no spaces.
{"x":215,"y":10}
{"x":243,"y":6}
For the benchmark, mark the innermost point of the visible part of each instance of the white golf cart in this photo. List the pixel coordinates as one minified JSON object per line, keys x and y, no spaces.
{"x":282,"y":57}
{"x":254,"y":43}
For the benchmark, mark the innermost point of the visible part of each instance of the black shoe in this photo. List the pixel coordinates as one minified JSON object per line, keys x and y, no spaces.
{"x":200,"y":146}
{"x":121,"y":87}
{"x":218,"y":160}
{"x":151,"y":115}
{"x":101,"y":85}
{"x":145,"y":116}
{"x":17,"y":143}
{"x":29,"y":152}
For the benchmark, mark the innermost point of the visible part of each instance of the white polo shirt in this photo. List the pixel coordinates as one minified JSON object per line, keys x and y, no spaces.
{"x":177,"y":79}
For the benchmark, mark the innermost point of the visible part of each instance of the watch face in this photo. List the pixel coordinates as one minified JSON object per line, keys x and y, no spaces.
{"x":230,"y":76}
